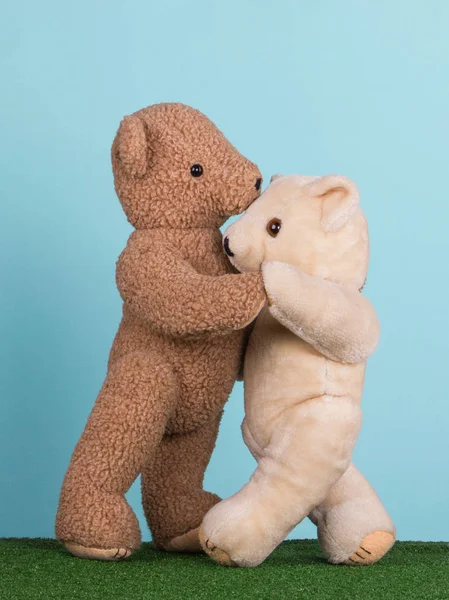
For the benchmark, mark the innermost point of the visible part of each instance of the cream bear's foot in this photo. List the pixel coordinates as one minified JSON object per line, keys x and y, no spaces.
{"x":371,"y":548}
{"x":239,"y":531}
{"x":219,"y":556}
{"x":353,"y":526}
{"x":97,"y":553}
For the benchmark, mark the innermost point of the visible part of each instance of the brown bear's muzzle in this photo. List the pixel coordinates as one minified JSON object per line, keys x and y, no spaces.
{"x":252,"y":194}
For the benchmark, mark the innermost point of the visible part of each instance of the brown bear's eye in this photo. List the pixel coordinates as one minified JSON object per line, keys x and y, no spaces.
{"x":274,"y":227}
{"x":196,"y":170}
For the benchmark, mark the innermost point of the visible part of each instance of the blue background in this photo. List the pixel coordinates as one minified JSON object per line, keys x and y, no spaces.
{"x":355,"y":87}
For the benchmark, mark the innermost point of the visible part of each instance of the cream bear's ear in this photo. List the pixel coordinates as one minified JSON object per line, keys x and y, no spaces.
{"x":274,"y":177}
{"x":340,"y":199}
{"x":133,"y":146}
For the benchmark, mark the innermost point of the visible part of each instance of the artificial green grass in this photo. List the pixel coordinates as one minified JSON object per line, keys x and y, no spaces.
{"x":42,"y":569}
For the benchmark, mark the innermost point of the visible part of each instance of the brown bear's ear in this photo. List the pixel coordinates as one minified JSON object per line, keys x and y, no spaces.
{"x":340,"y":199}
{"x":133,"y":146}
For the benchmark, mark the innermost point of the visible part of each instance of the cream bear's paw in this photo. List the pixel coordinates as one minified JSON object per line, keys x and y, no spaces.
{"x":371,"y":549}
{"x":219,"y":556}
{"x":234,"y":532}
{"x":276,"y":278}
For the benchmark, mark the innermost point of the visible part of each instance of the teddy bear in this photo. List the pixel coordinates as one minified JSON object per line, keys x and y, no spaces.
{"x":303,"y":376}
{"x":179,"y":345}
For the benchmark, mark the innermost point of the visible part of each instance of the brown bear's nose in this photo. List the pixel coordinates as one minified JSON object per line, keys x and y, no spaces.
{"x":258,"y":183}
{"x":226,"y":247}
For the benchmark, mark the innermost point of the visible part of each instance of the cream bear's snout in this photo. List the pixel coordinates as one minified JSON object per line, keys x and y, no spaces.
{"x":243,"y":247}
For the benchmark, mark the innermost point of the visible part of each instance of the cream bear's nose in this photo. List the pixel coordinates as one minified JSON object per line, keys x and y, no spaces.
{"x":226,"y":247}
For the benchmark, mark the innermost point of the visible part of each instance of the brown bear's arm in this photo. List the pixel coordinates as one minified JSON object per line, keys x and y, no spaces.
{"x":335,"y":319}
{"x":165,"y":290}
{"x":247,"y":335}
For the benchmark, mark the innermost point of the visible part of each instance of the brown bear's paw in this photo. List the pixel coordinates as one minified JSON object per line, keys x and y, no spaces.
{"x":219,"y":556}
{"x":97,"y":553}
{"x":188,"y":542}
{"x":371,"y":548}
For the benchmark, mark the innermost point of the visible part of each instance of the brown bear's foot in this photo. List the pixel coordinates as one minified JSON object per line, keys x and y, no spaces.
{"x":371,"y":548}
{"x":219,"y":556}
{"x":97,"y":553}
{"x":188,"y":542}
{"x":96,"y":524}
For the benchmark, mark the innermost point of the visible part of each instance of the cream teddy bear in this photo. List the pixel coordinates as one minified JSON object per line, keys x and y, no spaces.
{"x":303,"y":376}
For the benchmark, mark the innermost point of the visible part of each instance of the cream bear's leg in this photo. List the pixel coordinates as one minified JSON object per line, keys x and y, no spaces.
{"x":250,"y":442}
{"x":353,"y":525}
{"x":309,"y":450}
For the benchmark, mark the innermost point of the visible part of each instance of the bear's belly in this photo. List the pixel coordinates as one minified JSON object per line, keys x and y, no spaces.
{"x":282,"y":370}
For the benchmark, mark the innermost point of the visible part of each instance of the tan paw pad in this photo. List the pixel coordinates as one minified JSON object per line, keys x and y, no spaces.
{"x":371,"y":548}
{"x":188,"y":542}
{"x":219,"y":556}
{"x":97,"y":553}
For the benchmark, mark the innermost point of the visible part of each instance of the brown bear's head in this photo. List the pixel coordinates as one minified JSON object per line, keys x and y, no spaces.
{"x":173,"y":168}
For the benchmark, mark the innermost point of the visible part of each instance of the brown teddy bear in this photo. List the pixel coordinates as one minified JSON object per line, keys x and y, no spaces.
{"x":178,"y":349}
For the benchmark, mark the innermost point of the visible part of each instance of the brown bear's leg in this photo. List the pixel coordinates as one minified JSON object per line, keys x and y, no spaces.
{"x":126,"y":425}
{"x":172,"y":488}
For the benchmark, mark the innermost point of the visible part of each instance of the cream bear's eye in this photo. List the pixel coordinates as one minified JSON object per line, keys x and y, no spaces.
{"x":274,"y":227}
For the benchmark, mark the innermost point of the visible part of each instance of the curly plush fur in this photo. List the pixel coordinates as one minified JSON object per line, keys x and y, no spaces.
{"x":177,"y":352}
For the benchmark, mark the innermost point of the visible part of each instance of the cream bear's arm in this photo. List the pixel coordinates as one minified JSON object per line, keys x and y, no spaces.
{"x":165,"y":290}
{"x":336,"y":320}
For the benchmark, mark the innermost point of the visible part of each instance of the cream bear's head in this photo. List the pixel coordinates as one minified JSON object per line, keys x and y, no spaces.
{"x":312,"y":223}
